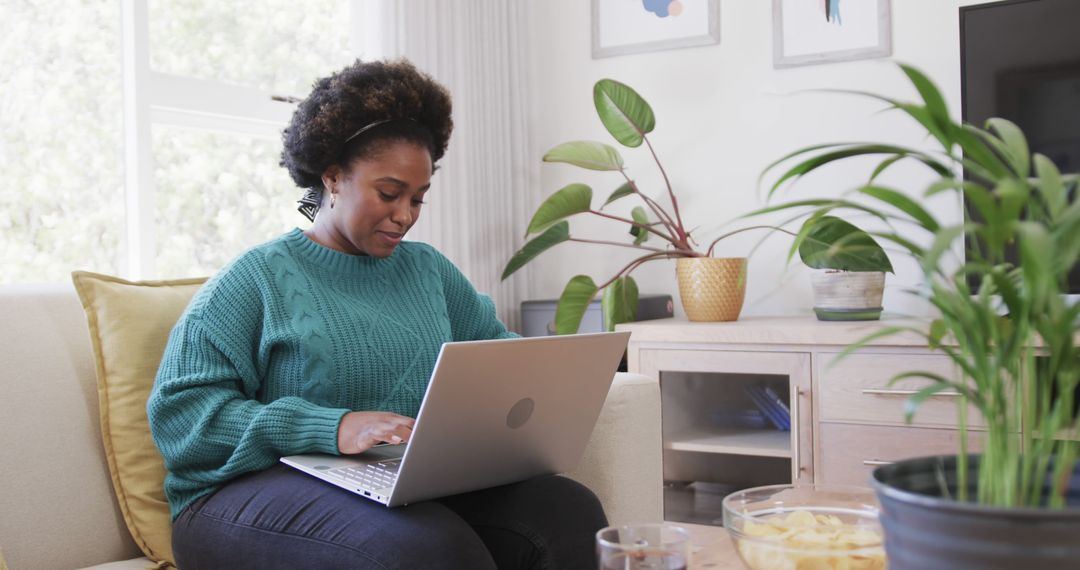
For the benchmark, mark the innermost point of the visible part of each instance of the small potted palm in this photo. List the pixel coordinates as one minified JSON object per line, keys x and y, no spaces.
{"x":1008,"y":327}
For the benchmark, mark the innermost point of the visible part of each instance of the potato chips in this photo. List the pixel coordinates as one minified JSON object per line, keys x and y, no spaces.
{"x":802,"y":540}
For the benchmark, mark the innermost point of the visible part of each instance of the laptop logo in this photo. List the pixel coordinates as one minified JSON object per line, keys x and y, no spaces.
{"x":520,"y":413}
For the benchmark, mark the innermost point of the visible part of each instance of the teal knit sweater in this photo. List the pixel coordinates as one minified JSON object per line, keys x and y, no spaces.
{"x":287,"y":339}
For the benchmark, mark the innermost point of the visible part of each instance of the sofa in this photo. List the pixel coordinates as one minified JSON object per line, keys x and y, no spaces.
{"x":58,"y":509}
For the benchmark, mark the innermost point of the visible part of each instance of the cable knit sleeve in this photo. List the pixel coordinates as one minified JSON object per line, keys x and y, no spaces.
{"x":205,"y":421}
{"x":472,"y":314}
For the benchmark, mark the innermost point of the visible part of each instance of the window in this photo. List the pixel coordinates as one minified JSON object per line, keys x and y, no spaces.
{"x":141,"y":138}
{"x":62,"y":199}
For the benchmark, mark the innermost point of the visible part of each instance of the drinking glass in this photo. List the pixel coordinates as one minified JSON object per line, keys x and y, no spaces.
{"x":643,"y":547}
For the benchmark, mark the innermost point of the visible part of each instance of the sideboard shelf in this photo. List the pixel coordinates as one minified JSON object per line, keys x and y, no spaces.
{"x":846,"y":418}
{"x":756,"y":442}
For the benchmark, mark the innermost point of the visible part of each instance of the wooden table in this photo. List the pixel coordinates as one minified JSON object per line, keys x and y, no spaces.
{"x":712,"y":548}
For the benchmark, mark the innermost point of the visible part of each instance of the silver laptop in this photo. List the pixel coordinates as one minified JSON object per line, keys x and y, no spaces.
{"x":495,"y":412}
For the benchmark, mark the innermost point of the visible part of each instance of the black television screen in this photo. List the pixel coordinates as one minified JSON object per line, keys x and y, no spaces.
{"x":1020,"y":60}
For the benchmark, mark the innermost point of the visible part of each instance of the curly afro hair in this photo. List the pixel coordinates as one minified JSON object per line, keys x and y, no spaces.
{"x":408,"y":104}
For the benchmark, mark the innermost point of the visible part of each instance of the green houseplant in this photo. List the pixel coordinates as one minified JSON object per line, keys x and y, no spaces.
{"x":629,"y":119}
{"x":852,"y":266}
{"x":1008,"y":328}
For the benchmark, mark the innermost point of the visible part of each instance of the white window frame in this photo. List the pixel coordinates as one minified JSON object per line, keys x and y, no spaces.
{"x":156,"y":98}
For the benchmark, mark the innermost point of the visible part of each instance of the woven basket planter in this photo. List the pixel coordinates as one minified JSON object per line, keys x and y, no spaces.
{"x":711,"y":288}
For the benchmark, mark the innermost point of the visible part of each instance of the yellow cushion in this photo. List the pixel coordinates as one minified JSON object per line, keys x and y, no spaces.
{"x":130,"y":323}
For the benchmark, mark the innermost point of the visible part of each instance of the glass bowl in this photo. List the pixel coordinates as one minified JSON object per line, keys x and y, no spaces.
{"x":795,"y":527}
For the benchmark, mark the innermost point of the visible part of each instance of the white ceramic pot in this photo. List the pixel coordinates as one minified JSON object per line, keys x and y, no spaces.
{"x":848,"y":295}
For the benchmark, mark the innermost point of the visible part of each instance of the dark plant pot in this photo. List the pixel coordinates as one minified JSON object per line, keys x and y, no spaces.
{"x":925,"y":531}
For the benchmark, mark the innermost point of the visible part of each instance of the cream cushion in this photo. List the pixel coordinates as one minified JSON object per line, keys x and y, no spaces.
{"x":129,"y":325}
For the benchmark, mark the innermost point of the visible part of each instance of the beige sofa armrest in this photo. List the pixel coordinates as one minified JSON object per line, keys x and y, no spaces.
{"x":622,"y":463}
{"x":57,"y":509}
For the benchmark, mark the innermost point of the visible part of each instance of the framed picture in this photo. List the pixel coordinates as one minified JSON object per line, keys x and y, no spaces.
{"x":823,"y":31}
{"x":621,"y":27}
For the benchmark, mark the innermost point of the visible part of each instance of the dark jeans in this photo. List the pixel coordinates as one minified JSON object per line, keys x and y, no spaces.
{"x":282,"y":518}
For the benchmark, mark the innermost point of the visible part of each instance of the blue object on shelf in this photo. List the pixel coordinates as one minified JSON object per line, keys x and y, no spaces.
{"x":773,"y":409}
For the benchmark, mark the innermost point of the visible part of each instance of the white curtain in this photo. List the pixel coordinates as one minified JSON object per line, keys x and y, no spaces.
{"x":488,"y":183}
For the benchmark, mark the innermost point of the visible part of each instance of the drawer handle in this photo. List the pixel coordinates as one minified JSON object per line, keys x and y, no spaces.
{"x":907,"y":393}
{"x":875,"y":462}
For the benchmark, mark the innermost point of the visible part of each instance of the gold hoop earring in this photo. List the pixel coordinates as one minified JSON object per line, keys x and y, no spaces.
{"x":333,"y":199}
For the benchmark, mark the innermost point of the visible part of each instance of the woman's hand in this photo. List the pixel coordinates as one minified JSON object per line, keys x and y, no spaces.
{"x":360,"y":431}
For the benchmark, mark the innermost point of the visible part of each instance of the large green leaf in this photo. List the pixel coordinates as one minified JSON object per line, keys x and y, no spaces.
{"x":976,"y":153}
{"x":620,"y":192}
{"x":833,"y":243}
{"x":625,"y":114}
{"x":1050,"y":185}
{"x":554,"y":235}
{"x":1015,"y":145}
{"x":573,"y":302}
{"x":586,"y":154}
{"x":571,"y":199}
{"x":935,"y":103}
{"x":848,"y":151}
{"x":640,"y":234}
{"x":619,"y":303}
{"x":904,"y":203}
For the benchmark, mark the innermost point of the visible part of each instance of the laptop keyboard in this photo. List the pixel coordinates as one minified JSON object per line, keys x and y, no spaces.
{"x":372,"y":476}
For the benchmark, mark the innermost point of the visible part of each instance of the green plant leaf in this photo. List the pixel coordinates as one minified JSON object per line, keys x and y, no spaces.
{"x":925,"y":118}
{"x":935,"y":103}
{"x":573,"y":302}
{"x":571,"y":199}
{"x":625,"y":114}
{"x":1050,"y":185}
{"x":833,"y":243}
{"x":554,"y":235}
{"x":1036,"y":261}
{"x":885,"y":164}
{"x":619,"y":303}
{"x":1015,"y":144}
{"x":640,"y":234}
{"x":904,"y":203}
{"x":819,"y":160}
{"x":939,"y":383}
{"x":911,"y":247}
{"x":620,"y":192}
{"x":972,"y":141}
{"x":943,"y":240}
{"x":938,"y":330}
{"x":586,"y":154}
{"x":866,"y":340}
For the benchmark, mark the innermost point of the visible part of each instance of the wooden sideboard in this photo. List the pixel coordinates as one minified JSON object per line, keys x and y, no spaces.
{"x":845,"y":416}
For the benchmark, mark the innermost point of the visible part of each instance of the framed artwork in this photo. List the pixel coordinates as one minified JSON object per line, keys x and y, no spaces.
{"x":622,"y":27}
{"x":808,"y":32}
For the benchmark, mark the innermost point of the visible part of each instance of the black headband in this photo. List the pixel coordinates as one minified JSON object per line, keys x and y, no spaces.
{"x":309,"y":204}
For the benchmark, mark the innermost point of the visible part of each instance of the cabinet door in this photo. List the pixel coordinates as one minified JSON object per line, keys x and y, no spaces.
{"x":686,"y":421}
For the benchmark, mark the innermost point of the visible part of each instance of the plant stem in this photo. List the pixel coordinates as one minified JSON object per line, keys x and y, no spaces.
{"x":630,"y":245}
{"x":708,"y":252}
{"x":659,"y":211}
{"x":645,"y":227}
{"x":635,"y":263}
{"x":671,"y":192}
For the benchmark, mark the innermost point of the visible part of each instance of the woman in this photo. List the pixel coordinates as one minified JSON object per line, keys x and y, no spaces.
{"x":323,"y":341}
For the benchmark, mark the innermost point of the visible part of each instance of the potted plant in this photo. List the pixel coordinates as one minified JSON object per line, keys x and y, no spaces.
{"x":1007,"y":326}
{"x":851,"y":266}
{"x":710,"y":288}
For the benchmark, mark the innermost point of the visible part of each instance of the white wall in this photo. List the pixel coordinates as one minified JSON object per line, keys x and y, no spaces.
{"x":723,"y":114}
